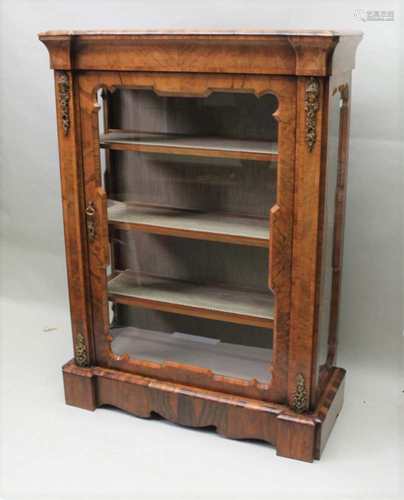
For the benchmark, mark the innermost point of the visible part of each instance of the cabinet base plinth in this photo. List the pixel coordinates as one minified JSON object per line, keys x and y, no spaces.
{"x":301,"y":437}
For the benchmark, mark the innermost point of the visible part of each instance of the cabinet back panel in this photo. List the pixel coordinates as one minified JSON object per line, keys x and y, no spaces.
{"x":196,"y":261}
{"x":221,"y":114}
{"x":231,"y":333}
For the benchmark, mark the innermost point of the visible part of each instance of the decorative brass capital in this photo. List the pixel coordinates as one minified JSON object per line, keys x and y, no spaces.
{"x":299,"y":401}
{"x":64,"y":96}
{"x":311,"y":106}
{"x":81,"y":354}
{"x":344,"y":93}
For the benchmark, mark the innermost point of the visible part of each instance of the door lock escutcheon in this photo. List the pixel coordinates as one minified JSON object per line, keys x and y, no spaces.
{"x":90,"y":215}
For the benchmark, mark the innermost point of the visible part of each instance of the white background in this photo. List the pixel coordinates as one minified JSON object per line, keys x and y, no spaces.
{"x":51,"y":451}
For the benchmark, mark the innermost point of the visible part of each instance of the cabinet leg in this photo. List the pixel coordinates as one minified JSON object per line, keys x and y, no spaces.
{"x":79,"y":387}
{"x":296,"y":437}
{"x":303,"y":437}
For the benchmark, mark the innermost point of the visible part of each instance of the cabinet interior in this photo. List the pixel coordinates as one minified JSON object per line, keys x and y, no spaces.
{"x":190,"y":183}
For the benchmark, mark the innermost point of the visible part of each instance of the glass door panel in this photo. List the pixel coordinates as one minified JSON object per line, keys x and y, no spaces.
{"x":190,"y":183}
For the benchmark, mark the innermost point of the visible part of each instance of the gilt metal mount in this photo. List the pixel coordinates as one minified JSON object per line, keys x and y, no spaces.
{"x":64,"y":97}
{"x":311,"y":107}
{"x":299,"y":401}
{"x":80,"y":352}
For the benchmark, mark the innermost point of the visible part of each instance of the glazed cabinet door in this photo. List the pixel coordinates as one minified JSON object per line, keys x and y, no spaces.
{"x":188,"y":206}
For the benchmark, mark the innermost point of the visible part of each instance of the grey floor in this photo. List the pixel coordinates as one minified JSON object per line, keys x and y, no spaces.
{"x":52,"y":451}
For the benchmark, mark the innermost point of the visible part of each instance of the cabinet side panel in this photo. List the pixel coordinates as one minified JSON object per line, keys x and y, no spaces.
{"x":333,"y":228}
{"x":74,"y":225}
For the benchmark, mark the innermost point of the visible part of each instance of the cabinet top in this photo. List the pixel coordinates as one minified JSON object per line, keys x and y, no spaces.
{"x":265,"y":52}
{"x":205,"y":32}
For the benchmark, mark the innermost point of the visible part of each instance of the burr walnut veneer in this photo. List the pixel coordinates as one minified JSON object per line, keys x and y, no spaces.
{"x":203,"y":184}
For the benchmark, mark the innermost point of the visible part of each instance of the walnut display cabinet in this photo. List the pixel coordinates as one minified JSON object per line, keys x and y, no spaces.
{"x":203,"y":182}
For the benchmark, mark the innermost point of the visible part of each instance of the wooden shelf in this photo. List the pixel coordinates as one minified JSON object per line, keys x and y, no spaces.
{"x":189,"y":145}
{"x":246,"y":307}
{"x":231,"y":360}
{"x":190,"y":224}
